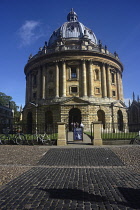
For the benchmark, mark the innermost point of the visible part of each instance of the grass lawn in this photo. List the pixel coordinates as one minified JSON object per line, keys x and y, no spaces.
{"x":116,"y":136}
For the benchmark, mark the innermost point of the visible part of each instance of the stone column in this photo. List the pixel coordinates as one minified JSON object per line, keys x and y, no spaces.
{"x":39,"y":84}
{"x":84,"y":78}
{"x":30,"y":87}
{"x":61,"y":141}
{"x":118,"y":85}
{"x":90,"y":79}
{"x":103,"y":74}
{"x":63,"y":79}
{"x":97,"y":133}
{"x":57,"y":80}
{"x":121,"y":89}
{"x":27,"y":89}
{"x":77,"y":72}
{"x":108,"y":82}
{"x":43,"y":82}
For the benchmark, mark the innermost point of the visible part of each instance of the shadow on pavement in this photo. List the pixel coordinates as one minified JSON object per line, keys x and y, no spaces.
{"x":73,"y":194}
{"x":132,"y":197}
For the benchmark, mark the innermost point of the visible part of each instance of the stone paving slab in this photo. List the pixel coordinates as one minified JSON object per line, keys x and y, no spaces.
{"x":70,"y":179}
{"x":81,"y":157}
{"x":72,"y":188}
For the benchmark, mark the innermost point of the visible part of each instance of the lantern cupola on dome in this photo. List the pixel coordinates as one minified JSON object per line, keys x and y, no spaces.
{"x":72,"y":16}
{"x":72,"y":29}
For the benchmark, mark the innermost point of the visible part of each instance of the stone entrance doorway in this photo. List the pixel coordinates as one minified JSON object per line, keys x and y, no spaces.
{"x":74,"y":117}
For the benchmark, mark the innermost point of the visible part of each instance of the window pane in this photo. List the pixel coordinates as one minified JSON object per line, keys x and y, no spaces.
{"x":73,"y":73}
{"x":74,"y":89}
{"x":113,"y":78}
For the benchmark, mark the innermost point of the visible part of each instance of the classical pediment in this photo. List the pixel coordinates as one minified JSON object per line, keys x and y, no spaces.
{"x":75,"y":100}
{"x":119,"y":104}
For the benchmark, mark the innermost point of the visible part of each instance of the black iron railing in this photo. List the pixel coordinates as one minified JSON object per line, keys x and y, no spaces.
{"x":117,"y":131}
{"x":51,"y":129}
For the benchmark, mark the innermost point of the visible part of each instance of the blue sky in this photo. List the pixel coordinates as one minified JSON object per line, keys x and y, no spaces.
{"x":27,"y":24}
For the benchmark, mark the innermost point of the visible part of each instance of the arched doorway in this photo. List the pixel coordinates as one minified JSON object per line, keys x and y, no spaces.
{"x":74,"y":117}
{"x":101,"y":117}
{"x":120,"y":120}
{"x":29,"y":122}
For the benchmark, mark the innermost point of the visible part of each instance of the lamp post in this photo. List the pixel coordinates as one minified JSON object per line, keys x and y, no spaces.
{"x":36,"y":105}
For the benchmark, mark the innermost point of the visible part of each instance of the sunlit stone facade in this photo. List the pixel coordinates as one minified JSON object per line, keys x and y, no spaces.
{"x":73,"y":78}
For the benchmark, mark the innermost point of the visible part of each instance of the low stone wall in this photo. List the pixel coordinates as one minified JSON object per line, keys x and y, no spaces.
{"x":116,"y":142}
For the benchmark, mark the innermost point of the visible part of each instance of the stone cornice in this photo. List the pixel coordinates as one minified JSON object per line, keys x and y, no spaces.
{"x":67,"y":55}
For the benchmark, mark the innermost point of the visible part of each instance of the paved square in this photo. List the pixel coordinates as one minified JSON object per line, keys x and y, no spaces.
{"x":80,"y":157}
{"x":74,"y":179}
{"x":72,"y":188}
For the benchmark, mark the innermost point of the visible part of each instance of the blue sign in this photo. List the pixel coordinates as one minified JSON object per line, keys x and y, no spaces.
{"x":78,"y":134}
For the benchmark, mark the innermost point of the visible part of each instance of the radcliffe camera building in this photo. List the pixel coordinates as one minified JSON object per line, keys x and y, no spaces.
{"x":74,"y":78}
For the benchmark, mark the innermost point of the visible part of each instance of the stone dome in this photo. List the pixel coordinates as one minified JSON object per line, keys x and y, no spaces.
{"x":72,"y":29}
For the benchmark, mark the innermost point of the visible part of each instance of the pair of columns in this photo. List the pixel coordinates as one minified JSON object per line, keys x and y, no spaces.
{"x":57,"y":86}
{"x":84,"y":79}
{"x":105,"y":81}
{"x":40,"y":86}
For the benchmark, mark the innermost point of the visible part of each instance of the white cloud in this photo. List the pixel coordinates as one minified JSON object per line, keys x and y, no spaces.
{"x":29,"y":32}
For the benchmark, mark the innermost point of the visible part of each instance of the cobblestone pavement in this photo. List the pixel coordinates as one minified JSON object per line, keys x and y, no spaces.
{"x":77,"y":178}
{"x":80,"y":157}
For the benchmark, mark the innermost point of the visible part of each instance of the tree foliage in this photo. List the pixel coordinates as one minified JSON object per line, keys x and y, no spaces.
{"x":7,"y":101}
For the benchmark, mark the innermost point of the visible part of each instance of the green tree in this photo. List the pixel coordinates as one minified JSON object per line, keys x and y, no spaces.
{"x":4,"y":99}
{"x":7,"y":101}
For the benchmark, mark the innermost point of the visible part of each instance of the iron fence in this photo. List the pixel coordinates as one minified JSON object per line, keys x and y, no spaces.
{"x":116,"y":131}
{"x":51,"y":129}
{"x":134,"y":127}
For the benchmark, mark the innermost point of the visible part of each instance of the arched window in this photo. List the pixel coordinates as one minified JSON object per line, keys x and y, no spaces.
{"x":120,"y":120}
{"x":113,"y":78}
{"x":29,"y":122}
{"x":101,"y":117}
{"x":97,"y":74}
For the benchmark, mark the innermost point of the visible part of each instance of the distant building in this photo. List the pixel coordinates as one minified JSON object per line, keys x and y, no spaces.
{"x":74,"y":78}
{"x":6,"y":117}
{"x":134,"y":114}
